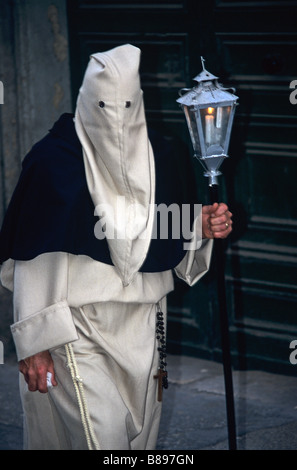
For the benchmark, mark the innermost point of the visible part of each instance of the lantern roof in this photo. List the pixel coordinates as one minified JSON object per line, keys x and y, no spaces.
{"x":204,"y":76}
{"x":207,"y":92}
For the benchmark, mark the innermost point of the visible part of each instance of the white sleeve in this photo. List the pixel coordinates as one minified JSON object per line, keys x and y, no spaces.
{"x":42,"y":316}
{"x":195,"y":263}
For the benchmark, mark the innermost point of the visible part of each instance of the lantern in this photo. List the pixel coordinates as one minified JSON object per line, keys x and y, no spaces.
{"x":209,"y":110}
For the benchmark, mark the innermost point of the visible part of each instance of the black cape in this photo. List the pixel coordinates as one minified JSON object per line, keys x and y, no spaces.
{"x":51,"y":208}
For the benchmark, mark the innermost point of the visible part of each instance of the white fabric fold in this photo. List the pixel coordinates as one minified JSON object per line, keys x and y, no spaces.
{"x":47,"y":288}
{"x":195,"y":263}
{"x":48,"y":329}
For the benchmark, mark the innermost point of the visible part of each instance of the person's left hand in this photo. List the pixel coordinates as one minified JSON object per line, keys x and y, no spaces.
{"x":216,"y":221}
{"x":35,"y":368}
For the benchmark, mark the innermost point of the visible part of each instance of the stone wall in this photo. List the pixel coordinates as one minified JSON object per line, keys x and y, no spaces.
{"x":34,"y":70}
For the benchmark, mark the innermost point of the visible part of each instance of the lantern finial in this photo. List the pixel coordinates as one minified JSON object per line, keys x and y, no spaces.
{"x":202,"y":62}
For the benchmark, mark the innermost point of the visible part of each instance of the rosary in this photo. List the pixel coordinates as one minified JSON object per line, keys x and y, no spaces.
{"x":162,"y":375}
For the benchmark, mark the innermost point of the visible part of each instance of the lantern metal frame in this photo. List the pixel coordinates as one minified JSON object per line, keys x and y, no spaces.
{"x":207,"y":94}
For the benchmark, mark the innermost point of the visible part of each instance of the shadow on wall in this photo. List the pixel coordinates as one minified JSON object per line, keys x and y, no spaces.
{"x":6,"y":319}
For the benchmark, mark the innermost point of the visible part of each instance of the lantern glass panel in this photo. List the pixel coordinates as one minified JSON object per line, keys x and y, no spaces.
{"x":190,"y":113}
{"x":215,"y":124}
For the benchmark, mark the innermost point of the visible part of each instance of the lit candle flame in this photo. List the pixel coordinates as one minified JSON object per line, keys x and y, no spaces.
{"x":210,"y":110}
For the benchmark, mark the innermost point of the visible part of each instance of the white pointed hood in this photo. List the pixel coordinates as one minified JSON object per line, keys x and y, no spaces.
{"x":118,"y":158}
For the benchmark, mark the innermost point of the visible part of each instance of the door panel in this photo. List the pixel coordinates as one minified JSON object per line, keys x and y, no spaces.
{"x":251,"y":46}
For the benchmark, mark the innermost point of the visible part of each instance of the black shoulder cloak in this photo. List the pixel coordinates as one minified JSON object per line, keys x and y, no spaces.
{"x":51,"y":209}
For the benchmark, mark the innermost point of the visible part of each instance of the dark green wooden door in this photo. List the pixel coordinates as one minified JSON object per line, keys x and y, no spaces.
{"x":252,"y":46}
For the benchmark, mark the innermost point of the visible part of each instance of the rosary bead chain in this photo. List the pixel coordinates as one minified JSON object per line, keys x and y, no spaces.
{"x":160,"y":334}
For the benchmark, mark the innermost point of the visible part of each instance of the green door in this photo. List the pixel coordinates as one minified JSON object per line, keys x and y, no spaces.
{"x":251,"y":46}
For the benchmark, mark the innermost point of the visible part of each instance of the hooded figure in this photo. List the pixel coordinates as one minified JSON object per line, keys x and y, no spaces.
{"x":85,"y":309}
{"x":119,"y":164}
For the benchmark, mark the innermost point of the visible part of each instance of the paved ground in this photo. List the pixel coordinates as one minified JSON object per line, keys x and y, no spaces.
{"x":194,"y":413}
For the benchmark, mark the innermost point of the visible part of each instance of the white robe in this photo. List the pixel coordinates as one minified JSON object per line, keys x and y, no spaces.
{"x":71,"y":304}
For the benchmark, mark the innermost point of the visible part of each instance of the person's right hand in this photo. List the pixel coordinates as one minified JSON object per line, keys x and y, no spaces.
{"x":35,"y":368}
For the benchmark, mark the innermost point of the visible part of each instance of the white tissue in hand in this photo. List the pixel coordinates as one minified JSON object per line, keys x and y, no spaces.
{"x":49,"y":380}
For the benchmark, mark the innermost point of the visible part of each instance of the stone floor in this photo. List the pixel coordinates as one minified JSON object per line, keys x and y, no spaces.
{"x":194,"y":411}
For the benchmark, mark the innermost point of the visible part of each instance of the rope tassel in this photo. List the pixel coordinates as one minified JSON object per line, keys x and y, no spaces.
{"x":80,"y":395}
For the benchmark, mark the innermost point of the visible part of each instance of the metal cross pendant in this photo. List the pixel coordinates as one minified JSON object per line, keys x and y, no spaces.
{"x":162,"y":374}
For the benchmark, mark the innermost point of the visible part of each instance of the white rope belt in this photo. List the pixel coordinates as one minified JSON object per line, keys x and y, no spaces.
{"x":80,"y":395}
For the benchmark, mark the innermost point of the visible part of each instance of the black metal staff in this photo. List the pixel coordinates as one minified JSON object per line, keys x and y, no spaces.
{"x":224,"y":324}
{"x":209,"y":110}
